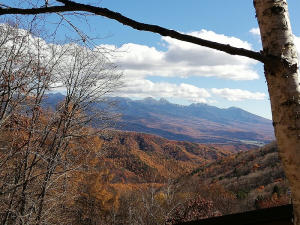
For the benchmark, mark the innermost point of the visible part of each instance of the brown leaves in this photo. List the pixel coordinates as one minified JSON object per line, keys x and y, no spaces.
{"x":194,"y":209}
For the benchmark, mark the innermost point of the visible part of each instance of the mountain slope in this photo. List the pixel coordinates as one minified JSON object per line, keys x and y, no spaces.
{"x":153,"y":158}
{"x":256,"y":167}
{"x":199,"y":123}
{"x":254,"y":175}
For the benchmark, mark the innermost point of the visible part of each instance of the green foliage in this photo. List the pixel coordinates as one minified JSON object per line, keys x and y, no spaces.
{"x":198,"y":170}
{"x":243,"y":193}
{"x":275,"y":164}
{"x":236,"y":172}
{"x":277,"y":190}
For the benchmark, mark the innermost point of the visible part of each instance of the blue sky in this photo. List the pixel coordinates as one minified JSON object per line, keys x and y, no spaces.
{"x":184,"y":73}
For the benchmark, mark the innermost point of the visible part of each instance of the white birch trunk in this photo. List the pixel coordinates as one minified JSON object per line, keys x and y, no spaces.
{"x":282,"y":77}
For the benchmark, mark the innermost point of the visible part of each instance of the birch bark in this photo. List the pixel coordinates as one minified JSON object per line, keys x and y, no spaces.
{"x":282,"y":77}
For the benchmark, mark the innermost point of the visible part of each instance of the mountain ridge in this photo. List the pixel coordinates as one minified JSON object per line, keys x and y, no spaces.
{"x":197,"y":122}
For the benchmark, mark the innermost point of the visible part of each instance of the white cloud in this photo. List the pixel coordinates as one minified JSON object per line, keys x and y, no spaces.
{"x":255,"y":32}
{"x":134,"y":56}
{"x":180,"y":59}
{"x":237,"y":94}
{"x":191,"y":54}
{"x":183,"y":59}
{"x":297,"y":43}
{"x":143,"y":88}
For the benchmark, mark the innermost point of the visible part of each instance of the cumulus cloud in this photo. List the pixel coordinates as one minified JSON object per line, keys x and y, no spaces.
{"x":183,"y":59}
{"x":237,"y":94}
{"x":255,"y":32}
{"x":138,"y":62}
{"x":194,"y":55}
{"x":145,"y":88}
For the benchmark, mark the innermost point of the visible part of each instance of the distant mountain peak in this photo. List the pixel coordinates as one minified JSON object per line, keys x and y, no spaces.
{"x":198,"y":104}
{"x":149,"y":101}
{"x":163,"y":101}
{"x":233,"y":107}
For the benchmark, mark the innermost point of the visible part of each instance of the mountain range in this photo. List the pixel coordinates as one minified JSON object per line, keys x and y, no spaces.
{"x":200,"y":123}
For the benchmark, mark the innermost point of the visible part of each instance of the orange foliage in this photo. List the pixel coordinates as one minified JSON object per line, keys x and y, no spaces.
{"x":278,"y":180}
{"x":261,"y":188}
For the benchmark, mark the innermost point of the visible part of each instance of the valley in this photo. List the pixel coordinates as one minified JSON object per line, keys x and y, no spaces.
{"x":161,"y":157}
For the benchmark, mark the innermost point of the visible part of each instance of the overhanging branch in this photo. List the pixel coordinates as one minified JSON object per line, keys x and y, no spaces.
{"x":70,"y":6}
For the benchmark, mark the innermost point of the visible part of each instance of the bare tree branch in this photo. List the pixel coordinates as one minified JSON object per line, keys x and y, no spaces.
{"x":71,"y":6}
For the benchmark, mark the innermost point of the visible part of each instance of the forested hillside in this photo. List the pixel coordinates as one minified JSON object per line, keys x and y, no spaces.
{"x":153,"y":158}
{"x":253,"y":176}
{"x":246,"y":180}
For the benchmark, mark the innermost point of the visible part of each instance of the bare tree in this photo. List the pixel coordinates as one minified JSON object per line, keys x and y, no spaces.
{"x":152,"y":203}
{"x":278,"y":56}
{"x":26,"y":78}
{"x":19,"y":75}
{"x":41,"y":148}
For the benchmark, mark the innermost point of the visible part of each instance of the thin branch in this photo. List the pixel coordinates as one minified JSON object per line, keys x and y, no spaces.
{"x":71,"y":6}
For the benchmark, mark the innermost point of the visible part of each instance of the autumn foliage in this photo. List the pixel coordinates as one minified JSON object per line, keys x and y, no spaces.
{"x":60,"y":165}
{"x":194,"y":209}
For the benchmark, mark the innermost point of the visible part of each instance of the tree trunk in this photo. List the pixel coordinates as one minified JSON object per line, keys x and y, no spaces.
{"x":282,"y":77}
